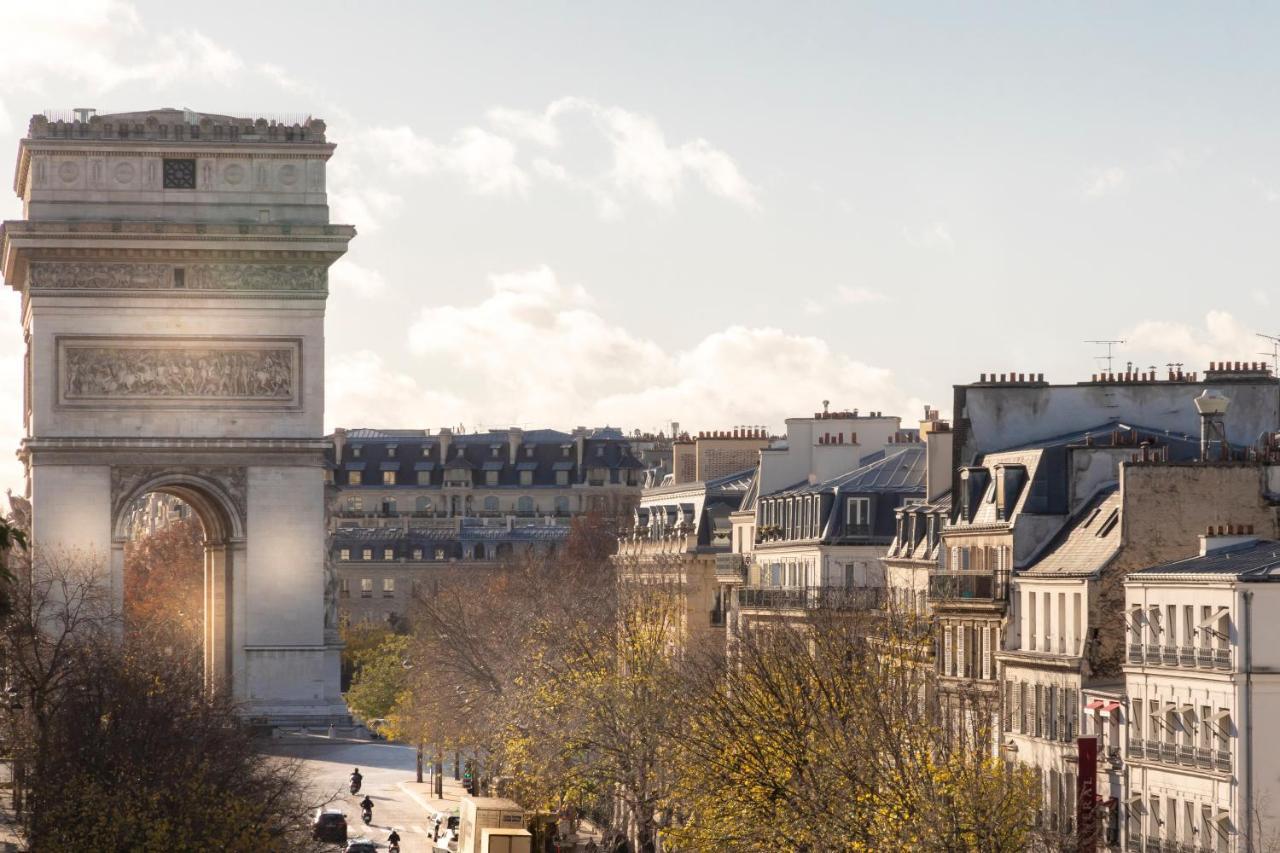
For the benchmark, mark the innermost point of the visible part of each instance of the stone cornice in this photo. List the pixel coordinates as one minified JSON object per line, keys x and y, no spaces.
{"x":83,"y":450}
{"x":21,"y":240}
{"x":172,"y":443}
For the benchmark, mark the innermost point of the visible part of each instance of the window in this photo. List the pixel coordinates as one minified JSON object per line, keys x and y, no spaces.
{"x":562,"y":478}
{"x":491,"y":504}
{"x":439,"y":555}
{"x":356,"y":503}
{"x":422,"y":503}
{"x":424,"y":478}
{"x":562,"y":506}
{"x":179,"y":278}
{"x":525,"y":504}
{"x":491,"y":478}
{"x":355,"y":478}
{"x":388,"y":478}
{"x":388,"y":553}
{"x":388,"y":587}
{"x":366,"y":554}
{"x":344,"y":588}
{"x":179,"y":173}
{"x":355,"y":451}
{"x":417,"y":553}
{"x":328,"y":476}
{"x":366,"y":587}
{"x":344,"y":554}
{"x":1135,"y":722}
{"x":426,"y":451}
{"x":391,"y":451}
{"x":857,"y":518}
{"x":526,"y":478}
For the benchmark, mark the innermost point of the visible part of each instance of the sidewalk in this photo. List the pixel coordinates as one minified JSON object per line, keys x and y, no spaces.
{"x":423,"y":793}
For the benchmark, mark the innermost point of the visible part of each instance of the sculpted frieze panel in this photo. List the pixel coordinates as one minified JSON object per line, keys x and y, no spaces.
{"x":75,"y":275}
{"x":198,"y":371}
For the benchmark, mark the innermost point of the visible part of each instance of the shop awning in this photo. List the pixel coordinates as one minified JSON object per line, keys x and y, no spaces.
{"x":1094,"y":705}
{"x":1108,"y":707}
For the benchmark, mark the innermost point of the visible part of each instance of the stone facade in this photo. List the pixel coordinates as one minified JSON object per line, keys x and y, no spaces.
{"x":173,"y":272}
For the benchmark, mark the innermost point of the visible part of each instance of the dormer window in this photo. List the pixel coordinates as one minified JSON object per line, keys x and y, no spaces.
{"x":391,"y":451}
{"x":495,"y":450}
{"x":857,"y":519}
{"x":565,"y":450}
{"x":426,"y":451}
{"x":355,"y":451}
{"x":528,"y":451}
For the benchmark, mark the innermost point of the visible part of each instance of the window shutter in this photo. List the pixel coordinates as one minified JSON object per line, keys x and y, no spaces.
{"x":1072,"y":712}
{"x":986,"y":653}
{"x":946,"y":652}
{"x":960,"y":632}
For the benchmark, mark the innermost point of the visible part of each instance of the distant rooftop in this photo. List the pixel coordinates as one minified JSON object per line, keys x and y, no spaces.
{"x":1251,"y":560}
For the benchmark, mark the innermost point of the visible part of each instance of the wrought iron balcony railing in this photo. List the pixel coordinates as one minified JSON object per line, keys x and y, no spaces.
{"x":810,"y":598}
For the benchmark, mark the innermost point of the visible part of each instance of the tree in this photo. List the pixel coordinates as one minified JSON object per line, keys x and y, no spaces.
{"x":380,"y":678}
{"x":164,"y":584}
{"x":828,"y":735}
{"x":121,"y":746}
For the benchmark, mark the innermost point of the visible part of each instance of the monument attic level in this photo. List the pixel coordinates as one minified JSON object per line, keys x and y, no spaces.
{"x":173,"y":268}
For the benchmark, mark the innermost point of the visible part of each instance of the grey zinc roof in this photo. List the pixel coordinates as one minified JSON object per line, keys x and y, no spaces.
{"x":1085,"y":545}
{"x":901,"y":471}
{"x":1257,"y":560}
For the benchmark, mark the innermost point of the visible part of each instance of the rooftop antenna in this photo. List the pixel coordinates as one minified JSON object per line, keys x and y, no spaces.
{"x":1109,"y":345}
{"x":1275,"y":350}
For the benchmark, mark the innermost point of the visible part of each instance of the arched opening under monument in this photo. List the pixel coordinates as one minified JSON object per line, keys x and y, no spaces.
{"x":176,"y":539}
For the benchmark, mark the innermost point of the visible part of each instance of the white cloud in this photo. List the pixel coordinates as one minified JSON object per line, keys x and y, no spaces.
{"x":347,"y":275}
{"x":549,"y":354}
{"x":362,"y":390}
{"x":484,"y":160}
{"x":1221,"y":338}
{"x":1105,"y":182}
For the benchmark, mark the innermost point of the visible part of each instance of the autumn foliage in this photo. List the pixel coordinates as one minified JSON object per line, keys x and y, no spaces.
{"x":164,"y":584}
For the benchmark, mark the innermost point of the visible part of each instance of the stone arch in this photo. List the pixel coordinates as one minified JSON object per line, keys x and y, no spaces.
{"x":213,"y":499}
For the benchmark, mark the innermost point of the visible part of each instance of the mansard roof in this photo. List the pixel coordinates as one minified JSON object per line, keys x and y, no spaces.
{"x":1087,"y":544}
{"x":1253,"y":560}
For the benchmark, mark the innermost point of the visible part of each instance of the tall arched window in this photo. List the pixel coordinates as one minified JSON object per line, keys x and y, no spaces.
{"x":422,"y":504}
{"x":525,"y":504}
{"x":491,"y":504}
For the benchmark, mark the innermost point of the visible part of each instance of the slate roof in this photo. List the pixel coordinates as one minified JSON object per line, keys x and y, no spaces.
{"x":1257,"y":560}
{"x":403,"y":541}
{"x":902,"y":471}
{"x":1085,"y":545}
{"x":541,"y":451}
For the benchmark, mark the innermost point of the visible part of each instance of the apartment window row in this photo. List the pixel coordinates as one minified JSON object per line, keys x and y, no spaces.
{"x":1041,"y":710}
{"x":1180,"y":635}
{"x":1053,"y":621}
{"x":1169,"y":824}
{"x":478,"y":551}
{"x":915,"y":526}
{"x":967,"y":651}
{"x":795,"y":517}
{"x":1183,"y":732}
{"x":976,"y":558}
{"x":366,"y":588}
{"x":390,"y":505}
{"x":461,"y":476}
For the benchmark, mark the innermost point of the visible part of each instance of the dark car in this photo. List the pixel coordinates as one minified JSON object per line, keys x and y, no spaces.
{"x":330,"y":825}
{"x":360,"y":845}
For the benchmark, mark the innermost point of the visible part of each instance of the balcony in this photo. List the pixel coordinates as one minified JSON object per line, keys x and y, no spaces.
{"x":967,"y":586}
{"x":730,"y":568}
{"x":1135,"y":653}
{"x":1133,"y":844}
{"x":810,"y":598}
{"x":1187,"y":656}
{"x":1222,"y":760}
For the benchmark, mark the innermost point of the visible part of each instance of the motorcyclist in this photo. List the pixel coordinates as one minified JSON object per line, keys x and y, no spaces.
{"x":366,"y":805}
{"x":356,"y":779}
{"x":393,"y":839}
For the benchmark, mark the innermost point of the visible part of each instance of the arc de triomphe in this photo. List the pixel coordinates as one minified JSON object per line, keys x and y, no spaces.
{"x":173,"y":268}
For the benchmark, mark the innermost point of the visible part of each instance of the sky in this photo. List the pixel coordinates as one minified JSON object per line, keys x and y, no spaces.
{"x":724,"y":213}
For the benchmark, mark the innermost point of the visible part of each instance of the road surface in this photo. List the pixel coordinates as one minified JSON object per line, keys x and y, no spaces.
{"x":384,"y":766}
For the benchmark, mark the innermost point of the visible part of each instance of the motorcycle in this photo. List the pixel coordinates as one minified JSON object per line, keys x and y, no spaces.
{"x":394,"y":847}
{"x":367,"y":816}
{"x":355,"y":786}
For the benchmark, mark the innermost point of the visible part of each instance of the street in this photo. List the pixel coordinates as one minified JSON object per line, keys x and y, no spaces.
{"x":384,"y":766}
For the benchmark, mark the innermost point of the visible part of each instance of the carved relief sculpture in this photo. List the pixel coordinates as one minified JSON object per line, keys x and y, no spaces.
{"x":154,"y":372}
